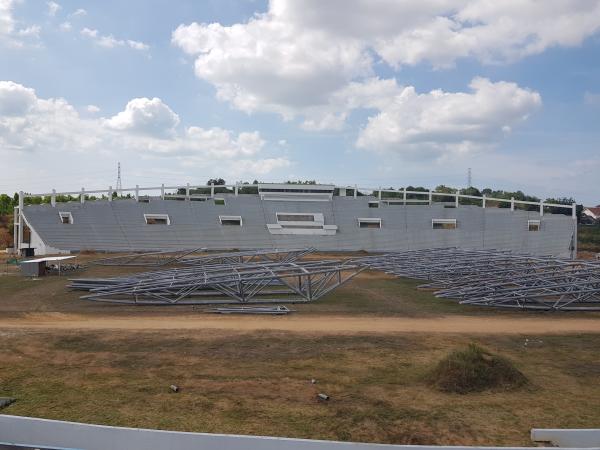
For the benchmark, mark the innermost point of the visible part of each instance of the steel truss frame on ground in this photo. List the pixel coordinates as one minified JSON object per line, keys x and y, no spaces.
{"x":198,"y":256}
{"x":246,"y":282}
{"x":497,"y":278}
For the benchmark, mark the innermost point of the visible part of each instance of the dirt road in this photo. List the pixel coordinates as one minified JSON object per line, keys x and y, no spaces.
{"x":311,"y":324}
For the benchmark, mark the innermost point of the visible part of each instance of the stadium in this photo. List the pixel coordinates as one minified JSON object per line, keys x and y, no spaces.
{"x":284,"y":216}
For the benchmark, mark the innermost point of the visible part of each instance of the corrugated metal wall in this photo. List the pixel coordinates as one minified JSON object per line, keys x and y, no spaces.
{"x":119,"y":226}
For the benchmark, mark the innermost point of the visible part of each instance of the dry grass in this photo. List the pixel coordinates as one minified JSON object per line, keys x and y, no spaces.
{"x":474,"y":369}
{"x":258,"y":383}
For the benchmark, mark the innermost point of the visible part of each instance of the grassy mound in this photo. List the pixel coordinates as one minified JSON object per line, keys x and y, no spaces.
{"x":473,"y":370}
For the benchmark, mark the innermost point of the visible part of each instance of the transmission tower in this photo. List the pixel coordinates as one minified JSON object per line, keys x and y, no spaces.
{"x":119,"y":184}
{"x":469,"y":178}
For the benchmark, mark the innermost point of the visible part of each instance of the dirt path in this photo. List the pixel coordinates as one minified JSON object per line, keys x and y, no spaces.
{"x":311,"y":324}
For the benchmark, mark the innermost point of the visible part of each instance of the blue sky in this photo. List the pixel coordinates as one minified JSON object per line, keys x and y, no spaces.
{"x":379,"y":93}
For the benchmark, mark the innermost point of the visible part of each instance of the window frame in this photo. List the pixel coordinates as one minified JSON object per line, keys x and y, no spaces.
{"x":159,"y":216}
{"x":231,"y":219}
{"x":65,"y":214}
{"x":534,"y":222}
{"x":443,"y":222}
{"x":219,"y":201}
{"x":369,"y":220}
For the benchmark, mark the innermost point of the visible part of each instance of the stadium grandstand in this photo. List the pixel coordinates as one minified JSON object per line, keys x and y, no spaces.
{"x":282,"y":216}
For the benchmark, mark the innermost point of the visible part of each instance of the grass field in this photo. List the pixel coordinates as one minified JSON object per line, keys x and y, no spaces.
{"x":588,"y":238}
{"x":258,"y":382}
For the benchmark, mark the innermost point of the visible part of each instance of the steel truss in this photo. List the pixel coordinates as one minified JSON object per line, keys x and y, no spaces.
{"x":497,"y":278}
{"x":198,"y":256}
{"x":247,"y":282}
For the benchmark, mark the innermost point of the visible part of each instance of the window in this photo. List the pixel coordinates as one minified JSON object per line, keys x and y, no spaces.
{"x":231,"y":220}
{"x":292,"y":217}
{"x":374,"y":204}
{"x":66,"y":217}
{"x":157,"y":219}
{"x":144,"y":199}
{"x":443,"y":224}
{"x":369,"y":222}
{"x":534,"y":225}
{"x":220,"y":201}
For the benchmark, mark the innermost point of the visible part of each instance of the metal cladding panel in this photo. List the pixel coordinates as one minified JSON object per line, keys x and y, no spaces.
{"x":120,"y":226}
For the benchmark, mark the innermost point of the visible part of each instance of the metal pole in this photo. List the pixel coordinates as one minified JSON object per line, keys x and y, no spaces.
{"x":15,"y":227}
{"x":21,"y":203}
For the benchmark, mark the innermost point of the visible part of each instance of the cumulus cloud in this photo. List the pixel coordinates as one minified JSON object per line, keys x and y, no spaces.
{"x":440,"y":121}
{"x":109,"y":41}
{"x":93,"y":109}
{"x":145,"y":116}
{"x":146,"y":127}
{"x":10,"y":34}
{"x":53,"y":8}
{"x":313,"y":59}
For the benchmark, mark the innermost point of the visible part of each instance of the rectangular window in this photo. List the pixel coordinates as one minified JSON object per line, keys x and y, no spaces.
{"x":369,"y":222}
{"x":534,"y":225}
{"x":291,"y":217}
{"x":443,"y":224}
{"x":374,"y":204}
{"x":66,"y":217}
{"x":144,"y":199}
{"x":157,"y":219}
{"x":231,"y":220}
{"x":220,"y":201}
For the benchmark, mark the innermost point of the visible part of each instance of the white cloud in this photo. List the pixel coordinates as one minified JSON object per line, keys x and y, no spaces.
{"x":65,"y":26}
{"x":53,"y":8}
{"x":311,"y":59}
{"x":79,"y":13}
{"x":438,"y":121}
{"x":145,"y":116}
{"x":92,"y":109}
{"x":109,"y":41}
{"x":10,"y":34}
{"x":146,"y":127}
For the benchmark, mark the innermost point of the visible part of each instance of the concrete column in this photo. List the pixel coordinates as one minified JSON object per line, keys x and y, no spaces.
{"x":187,"y":191}
{"x":541,"y":208}
{"x":512,"y":203}
{"x":430,"y":197}
{"x":82,"y":196}
{"x":21,"y":204}
{"x":355,"y":191}
{"x":483,"y":201}
{"x":137,"y":192}
{"x":342,"y":192}
{"x":404,"y":195}
{"x":379,"y":192}
{"x":236,"y":189}
{"x":574,"y":211}
{"x":212,"y":189}
{"x":110,"y":191}
{"x":53,"y":198}
{"x":162,"y":191}
{"x":456,"y":200}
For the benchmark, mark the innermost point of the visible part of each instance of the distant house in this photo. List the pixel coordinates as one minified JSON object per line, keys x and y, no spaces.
{"x":592,"y":212}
